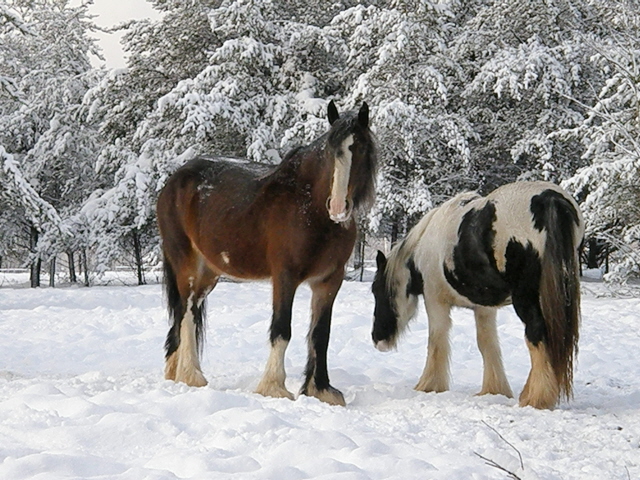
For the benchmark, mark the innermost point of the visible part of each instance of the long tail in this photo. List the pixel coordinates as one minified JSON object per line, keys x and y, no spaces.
{"x":560,"y":289}
{"x":174,"y":307}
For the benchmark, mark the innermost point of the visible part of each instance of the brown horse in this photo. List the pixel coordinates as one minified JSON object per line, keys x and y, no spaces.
{"x":292,"y":223}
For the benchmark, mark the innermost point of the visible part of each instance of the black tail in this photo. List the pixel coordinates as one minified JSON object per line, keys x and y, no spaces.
{"x":560,"y":285}
{"x":175,"y":308}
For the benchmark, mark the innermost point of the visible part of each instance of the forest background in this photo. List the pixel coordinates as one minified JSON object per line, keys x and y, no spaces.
{"x":463,"y":95}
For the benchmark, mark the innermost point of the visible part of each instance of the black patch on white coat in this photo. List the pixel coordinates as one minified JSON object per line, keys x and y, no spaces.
{"x":416,"y":282}
{"x":523,"y":270}
{"x":548,"y":202}
{"x":475,"y":274}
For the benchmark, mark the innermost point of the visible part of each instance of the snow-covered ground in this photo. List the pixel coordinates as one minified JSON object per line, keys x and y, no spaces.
{"x":82,"y":395}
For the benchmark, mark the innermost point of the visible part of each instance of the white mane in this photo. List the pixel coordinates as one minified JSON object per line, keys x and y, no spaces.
{"x":397,"y":274}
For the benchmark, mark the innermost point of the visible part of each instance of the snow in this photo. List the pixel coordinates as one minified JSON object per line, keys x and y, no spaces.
{"x":82,"y":395}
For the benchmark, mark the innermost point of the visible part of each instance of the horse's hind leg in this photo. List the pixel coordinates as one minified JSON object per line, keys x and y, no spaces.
{"x":316,"y":374}
{"x":494,"y":380}
{"x":186,"y":290}
{"x":435,"y":376}
{"x":541,"y":389}
{"x":272,"y":383}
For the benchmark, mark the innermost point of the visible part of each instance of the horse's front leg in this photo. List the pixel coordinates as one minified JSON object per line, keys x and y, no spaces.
{"x":273,"y":378}
{"x":435,"y":376}
{"x":316,"y":382}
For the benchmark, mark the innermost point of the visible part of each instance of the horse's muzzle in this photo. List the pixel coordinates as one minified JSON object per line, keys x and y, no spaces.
{"x":339,"y":211}
{"x":383,"y":345}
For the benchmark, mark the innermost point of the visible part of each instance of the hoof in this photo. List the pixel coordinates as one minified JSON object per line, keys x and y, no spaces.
{"x":495,"y":391}
{"x":542,"y":400}
{"x":542,"y":389}
{"x":170,"y":367}
{"x":273,"y":390}
{"x":428,"y":387}
{"x":194,"y":378}
{"x":331,"y":395}
{"x":178,"y":372}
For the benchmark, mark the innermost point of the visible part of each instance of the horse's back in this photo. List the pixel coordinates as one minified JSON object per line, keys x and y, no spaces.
{"x":208,"y":204}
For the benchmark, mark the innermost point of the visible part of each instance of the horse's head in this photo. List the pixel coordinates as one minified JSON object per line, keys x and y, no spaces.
{"x":351,"y":147}
{"x":385,"y":320}
{"x":395,"y":288}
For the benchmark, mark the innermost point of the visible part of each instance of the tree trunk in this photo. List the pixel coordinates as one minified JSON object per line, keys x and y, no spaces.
{"x":37,"y":263}
{"x":84,"y":267}
{"x":52,"y":272}
{"x":72,"y":267}
{"x":395,"y":229}
{"x":360,"y":245}
{"x":137,"y":251}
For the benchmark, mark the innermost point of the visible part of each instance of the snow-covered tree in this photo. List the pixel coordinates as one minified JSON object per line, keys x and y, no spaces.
{"x":48,"y":147}
{"x":609,"y":186}
{"x":397,"y":62}
{"x":254,"y":95}
{"x":528,"y":73}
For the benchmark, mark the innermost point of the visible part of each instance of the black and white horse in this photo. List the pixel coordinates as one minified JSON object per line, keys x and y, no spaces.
{"x":518,"y":245}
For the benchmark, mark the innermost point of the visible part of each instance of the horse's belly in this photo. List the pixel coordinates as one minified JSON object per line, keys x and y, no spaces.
{"x":241,"y":259}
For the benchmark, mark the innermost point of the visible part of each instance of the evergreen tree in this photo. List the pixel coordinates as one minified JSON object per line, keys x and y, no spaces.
{"x":43,"y":141}
{"x":609,"y":187}
{"x":397,"y":61}
{"x":527,"y":75}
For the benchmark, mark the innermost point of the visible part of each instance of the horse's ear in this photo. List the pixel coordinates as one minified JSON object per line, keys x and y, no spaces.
{"x":363,"y":115}
{"x":381,"y":260}
{"x":332,"y":112}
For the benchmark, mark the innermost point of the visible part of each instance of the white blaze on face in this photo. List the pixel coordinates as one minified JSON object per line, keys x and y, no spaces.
{"x":342,"y":169}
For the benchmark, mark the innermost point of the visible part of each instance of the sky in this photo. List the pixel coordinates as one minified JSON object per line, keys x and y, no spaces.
{"x":111,"y":12}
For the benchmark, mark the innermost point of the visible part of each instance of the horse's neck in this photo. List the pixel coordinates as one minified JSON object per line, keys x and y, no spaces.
{"x":314,"y":174}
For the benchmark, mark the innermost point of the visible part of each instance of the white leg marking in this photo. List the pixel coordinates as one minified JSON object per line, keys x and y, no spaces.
{"x":342,"y":170}
{"x":435,"y":377}
{"x":542,"y":389}
{"x":494,"y":380}
{"x":272,"y":382}
{"x":187,"y":363}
